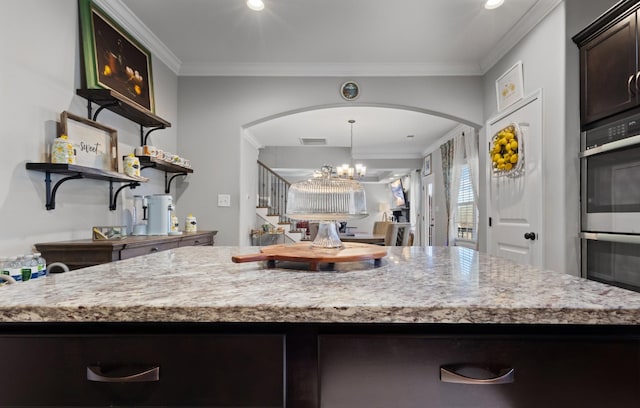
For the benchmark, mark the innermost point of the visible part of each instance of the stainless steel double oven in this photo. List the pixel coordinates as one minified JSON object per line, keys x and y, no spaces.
{"x":610,"y":201}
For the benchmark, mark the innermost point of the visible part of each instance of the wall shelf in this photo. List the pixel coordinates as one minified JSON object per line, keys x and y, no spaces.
{"x":116,"y":103}
{"x":75,"y":172}
{"x":168,"y":168}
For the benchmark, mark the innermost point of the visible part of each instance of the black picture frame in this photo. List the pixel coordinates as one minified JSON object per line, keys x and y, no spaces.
{"x":113,"y":59}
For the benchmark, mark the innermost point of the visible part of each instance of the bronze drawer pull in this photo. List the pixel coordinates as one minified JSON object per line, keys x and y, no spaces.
{"x":154,"y":249}
{"x":448,"y":374}
{"x":94,"y":373}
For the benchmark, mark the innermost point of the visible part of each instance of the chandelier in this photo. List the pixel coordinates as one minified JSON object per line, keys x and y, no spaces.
{"x":351,"y":171}
{"x":327,"y":200}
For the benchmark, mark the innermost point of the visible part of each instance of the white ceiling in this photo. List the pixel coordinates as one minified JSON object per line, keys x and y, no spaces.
{"x":333,"y":38}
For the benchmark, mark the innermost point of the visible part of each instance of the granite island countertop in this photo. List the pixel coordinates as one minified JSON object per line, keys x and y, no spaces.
{"x":413,"y":285}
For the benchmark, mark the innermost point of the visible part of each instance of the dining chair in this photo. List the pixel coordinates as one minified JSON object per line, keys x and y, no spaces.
{"x":397,"y":234}
{"x":380,"y":227}
{"x":313,"y":230}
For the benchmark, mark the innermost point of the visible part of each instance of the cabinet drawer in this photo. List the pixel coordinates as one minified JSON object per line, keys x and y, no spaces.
{"x":405,"y":372}
{"x":127,"y":253}
{"x":192,"y":370}
{"x":197,"y":240}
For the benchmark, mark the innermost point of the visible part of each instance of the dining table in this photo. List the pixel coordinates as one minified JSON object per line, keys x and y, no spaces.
{"x":363,"y":238}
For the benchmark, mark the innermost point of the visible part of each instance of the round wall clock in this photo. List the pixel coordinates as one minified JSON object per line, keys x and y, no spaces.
{"x":350,"y":90}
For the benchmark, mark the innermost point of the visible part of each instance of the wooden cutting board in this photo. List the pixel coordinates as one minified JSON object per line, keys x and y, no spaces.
{"x":304,"y":252}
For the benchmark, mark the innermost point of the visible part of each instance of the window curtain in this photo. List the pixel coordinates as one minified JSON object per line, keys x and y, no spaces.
{"x":446,"y":151}
{"x":471,"y":148}
{"x":456,"y":170}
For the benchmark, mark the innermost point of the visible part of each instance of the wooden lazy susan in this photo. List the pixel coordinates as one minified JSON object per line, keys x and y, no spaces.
{"x":304,"y":252}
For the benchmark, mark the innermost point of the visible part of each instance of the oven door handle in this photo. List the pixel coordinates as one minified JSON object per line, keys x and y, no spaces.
{"x":620,"y":238}
{"x":607,"y":147}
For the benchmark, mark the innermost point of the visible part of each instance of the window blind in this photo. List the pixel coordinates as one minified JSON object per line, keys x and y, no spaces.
{"x":466,"y":214}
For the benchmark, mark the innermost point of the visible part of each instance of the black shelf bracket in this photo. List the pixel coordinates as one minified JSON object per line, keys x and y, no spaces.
{"x":97,"y":112}
{"x":51,"y":193}
{"x":167,"y":181}
{"x":144,"y":137}
{"x":113,"y":197}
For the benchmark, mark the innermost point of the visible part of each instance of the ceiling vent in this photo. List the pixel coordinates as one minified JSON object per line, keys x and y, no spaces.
{"x":311,"y":141}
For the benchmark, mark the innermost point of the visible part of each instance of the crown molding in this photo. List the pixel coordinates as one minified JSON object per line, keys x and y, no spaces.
{"x":528,"y":22}
{"x":134,"y":26}
{"x":329,"y":69}
{"x":130,"y":22}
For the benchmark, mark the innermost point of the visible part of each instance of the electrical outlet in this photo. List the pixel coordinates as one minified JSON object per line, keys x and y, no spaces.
{"x":224,"y":200}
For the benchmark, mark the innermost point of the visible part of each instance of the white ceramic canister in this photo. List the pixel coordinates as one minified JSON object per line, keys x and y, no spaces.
{"x":190,"y":224}
{"x":62,"y":151}
{"x":146,"y":150}
{"x":132,"y":166}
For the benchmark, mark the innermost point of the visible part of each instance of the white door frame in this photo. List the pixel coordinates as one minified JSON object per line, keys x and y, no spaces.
{"x":536,"y":95}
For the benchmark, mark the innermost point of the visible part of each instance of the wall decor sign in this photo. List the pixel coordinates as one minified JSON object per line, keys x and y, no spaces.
{"x":349,"y":90}
{"x":96,"y":145}
{"x":113,"y":59}
{"x":426,"y":165}
{"x":510,"y":86}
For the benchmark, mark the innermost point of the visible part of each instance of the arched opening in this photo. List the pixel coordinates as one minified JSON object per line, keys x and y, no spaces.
{"x":384,"y":162}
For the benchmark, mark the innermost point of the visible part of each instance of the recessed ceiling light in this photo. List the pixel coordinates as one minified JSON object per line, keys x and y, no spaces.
{"x":256,"y":5}
{"x":493,"y":4}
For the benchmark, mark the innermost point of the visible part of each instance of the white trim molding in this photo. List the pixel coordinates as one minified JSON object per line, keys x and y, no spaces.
{"x":134,"y":26}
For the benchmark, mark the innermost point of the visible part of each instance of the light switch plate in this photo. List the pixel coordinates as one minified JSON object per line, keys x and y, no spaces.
{"x":224,"y":200}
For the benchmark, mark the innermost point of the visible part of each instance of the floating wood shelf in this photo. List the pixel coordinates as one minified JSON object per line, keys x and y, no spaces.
{"x":113,"y":101}
{"x":82,"y":172}
{"x":148,"y":161}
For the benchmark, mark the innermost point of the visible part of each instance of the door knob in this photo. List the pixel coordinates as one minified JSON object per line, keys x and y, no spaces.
{"x":530,"y":235}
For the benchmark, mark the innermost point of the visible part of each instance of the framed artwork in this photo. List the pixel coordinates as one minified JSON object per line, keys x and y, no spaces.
{"x":426,"y":165}
{"x":349,"y":90}
{"x":510,"y":87}
{"x":113,"y":59}
{"x":95,"y":145}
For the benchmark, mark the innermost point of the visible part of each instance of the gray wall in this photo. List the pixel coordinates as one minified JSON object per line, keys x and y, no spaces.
{"x":550,"y":63}
{"x":209,"y":114}
{"x":39,"y":75}
{"x":213,"y":111}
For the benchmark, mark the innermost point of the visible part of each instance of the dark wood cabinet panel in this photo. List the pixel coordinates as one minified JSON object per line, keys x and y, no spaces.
{"x":193,"y":370}
{"x":405,"y":372}
{"x":130,"y":252}
{"x":82,"y":253}
{"x":609,"y":71}
{"x":198,"y":240}
{"x":610,"y":65}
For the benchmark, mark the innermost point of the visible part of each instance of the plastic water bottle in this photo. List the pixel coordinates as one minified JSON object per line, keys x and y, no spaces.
{"x":14,"y":267}
{"x":29,"y":268}
{"x":4,"y":265}
{"x":42,"y":264}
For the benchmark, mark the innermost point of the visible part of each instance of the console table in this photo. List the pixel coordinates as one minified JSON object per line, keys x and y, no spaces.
{"x":86,"y":252}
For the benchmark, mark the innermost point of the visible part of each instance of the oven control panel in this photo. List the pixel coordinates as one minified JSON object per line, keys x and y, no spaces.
{"x":611,"y":132}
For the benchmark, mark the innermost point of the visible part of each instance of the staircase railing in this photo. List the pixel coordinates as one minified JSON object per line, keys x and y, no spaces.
{"x":272,"y":192}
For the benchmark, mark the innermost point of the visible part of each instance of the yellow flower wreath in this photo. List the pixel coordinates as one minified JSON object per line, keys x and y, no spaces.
{"x":504,"y":150}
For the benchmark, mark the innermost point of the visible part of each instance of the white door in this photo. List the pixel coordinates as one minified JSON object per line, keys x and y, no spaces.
{"x":427,"y":217}
{"x":515,"y":204}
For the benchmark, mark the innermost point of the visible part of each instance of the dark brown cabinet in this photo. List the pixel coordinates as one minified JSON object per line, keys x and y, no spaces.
{"x":85,"y":252}
{"x":308,"y":365}
{"x":477,"y":372}
{"x":609,"y":64}
{"x":143,"y":370}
